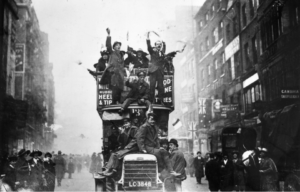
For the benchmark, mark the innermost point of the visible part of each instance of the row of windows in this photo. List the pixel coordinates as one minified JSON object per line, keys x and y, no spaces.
{"x":209,"y":14}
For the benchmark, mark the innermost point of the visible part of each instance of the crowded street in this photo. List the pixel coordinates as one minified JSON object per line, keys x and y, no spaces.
{"x":149,"y":95}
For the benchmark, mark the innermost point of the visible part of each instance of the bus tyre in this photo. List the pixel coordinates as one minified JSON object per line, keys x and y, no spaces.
{"x":292,"y":183}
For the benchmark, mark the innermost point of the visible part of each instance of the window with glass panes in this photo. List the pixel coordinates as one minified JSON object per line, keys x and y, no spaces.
{"x":252,"y":94}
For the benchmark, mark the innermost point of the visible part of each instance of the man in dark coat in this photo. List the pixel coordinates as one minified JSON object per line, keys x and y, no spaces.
{"x":49,"y":172}
{"x":156,"y":71}
{"x":129,"y":141}
{"x":37,"y":176}
{"x":238,"y":172}
{"x":191,"y":164}
{"x":148,"y":142}
{"x":139,"y":92}
{"x":199,"y":165}
{"x":60,"y":167}
{"x":10,"y":173}
{"x":226,"y":174}
{"x":212,"y":173}
{"x":22,"y":167}
{"x":138,"y":61}
{"x":113,"y":143}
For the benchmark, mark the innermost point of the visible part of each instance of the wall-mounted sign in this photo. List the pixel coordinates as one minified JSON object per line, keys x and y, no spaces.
{"x":230,"y":107}
{"x":289,"y":94}
{"x":216,"y":104}
{"x":232,"y":48}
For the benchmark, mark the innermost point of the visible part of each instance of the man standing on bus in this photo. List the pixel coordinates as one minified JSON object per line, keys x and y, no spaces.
{"x":156,"y":72}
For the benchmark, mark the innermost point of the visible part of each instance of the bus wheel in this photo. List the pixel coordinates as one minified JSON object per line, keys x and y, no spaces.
{"x":292,"y":183}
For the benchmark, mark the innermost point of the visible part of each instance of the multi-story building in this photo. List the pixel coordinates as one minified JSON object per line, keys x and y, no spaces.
{"x":246,"y":57}
{"x":29,"y":102}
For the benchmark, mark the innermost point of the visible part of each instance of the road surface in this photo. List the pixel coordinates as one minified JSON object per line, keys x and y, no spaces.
{"x":84,"y":182}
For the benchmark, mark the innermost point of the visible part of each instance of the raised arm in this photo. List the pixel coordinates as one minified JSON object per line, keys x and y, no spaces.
{"x":150,"y":50}
{"x":108,"y":42}
{"x":164,"y":47}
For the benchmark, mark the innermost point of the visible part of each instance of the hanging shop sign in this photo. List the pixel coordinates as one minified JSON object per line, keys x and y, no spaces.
{"x":289,"y":93}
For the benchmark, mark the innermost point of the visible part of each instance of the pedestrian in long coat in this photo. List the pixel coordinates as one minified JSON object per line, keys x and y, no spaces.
{"x":71,"y":167}
{"x":199,"y":167}
{"x":60,"y":167}
{"x":22,"y":168}
{"x":212,"y":173}
{"x":93,"y":166}
{"x":116,"y":68}
{"x":37,"y":177}
{"x":268,"y":172}
{"x":238,"y":173}
{"x":156,"y":71}
{"x":10,"y":173}
{"x":191,"y":166}
{"x":139,"y":93}
{"x":226,"y":174}
{"x":49,"y":172}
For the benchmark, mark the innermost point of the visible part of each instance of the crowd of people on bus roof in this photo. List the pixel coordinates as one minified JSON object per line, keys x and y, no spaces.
{"x":114,"y":68}
{"x":37,"y":171}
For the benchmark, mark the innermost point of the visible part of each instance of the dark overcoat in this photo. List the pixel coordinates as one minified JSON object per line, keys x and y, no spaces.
{"x":22,"y":169}
{"x":36,"y":174}
{"x":125,"y":137}
{"x":71,"y":167}
{"x":199,"y":165}
{"x":226,"y":175}
{"x":178,"y":163}
{"x":60,"y":166}
{"x":101,"y":65}
{"x":238,"y":173}
{"x":157,"y":58}
{"x":212,"y":174}
{"x":147,"y":138}
{"x":50,"y":174}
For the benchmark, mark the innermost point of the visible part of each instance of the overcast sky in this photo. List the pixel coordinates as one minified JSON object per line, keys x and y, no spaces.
{"x":76,"y":30}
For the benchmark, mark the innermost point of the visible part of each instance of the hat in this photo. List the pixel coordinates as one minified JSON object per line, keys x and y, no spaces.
{"x":48,"y":155}
{"x":235,"y":152}
{"x":143,"y":53}
{"x":151,"y":115}
{"x":59,"y":152}
{"x":126,"y":120}
{"x":115,"y":43}
{"x":12,"y":158}
{"x":174,"y":141}
{"x":261,"y":149}
{"x":198,"y":152}
{"x":39,"y":153}
{"x":23,"y":152}
{"x":158,"y":41}
{"x":104,"y":52}
{"x":141,"y":73}
{"x":163,"y":141}
{"x":211,"y":155}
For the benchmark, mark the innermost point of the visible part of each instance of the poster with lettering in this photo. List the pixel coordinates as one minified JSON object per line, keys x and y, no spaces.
{"x":168,"y":91}
{"x":20,"y":58}
{"x":104,"y":94}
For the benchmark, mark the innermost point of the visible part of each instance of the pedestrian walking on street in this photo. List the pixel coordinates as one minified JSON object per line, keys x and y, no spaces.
{"x":22,"y":168}
{"x":79,"y":164}
{"x":71,"y":167}
{"x":226,"y":174}
{"x":60,"y":167}
{"x":268,"y":172}
{"x":93,"y":168}
{"x":238,"y":172}
{"x":199,"y":167}
{"x":49,"y":172}
{"x":37,"y":177}
{"x":191,"y":164}
{"x":99,"y":163}
{"x":212,"y":173}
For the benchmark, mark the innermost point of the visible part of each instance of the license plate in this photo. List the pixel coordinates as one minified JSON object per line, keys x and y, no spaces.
{"x":139,"y":184}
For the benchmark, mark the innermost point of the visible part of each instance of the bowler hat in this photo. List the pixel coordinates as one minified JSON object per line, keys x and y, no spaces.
{"x":143,"y":53}
{"x":151,"y":115}
{"x":23,"y":152}
{"x":174,"y":141}
{"x":12,"y":158}
{"x":198,"y":152}
{"x":39,"y":153}
{"x":59,"y":152}
{"x":48,"y":155}
{"x":115,"y":43}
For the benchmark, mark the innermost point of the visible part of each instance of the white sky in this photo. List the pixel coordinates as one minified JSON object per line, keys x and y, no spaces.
{"x":76,"y":30}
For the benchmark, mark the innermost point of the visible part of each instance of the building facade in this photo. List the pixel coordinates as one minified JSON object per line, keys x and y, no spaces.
{"x":29,"y":96}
